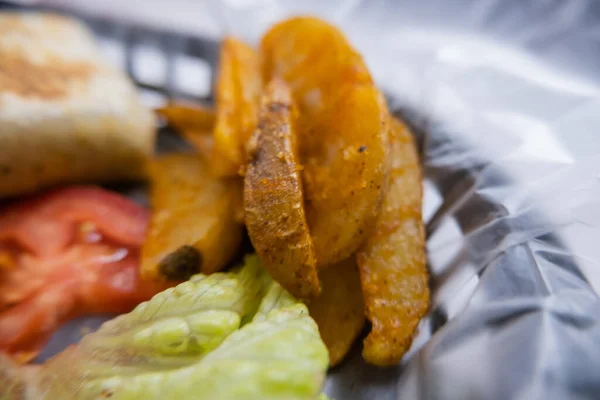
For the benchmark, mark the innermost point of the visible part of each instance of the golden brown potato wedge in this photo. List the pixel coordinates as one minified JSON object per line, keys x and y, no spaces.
{"x":201,"y":140}
{"x":339,"y":309}
{"x":392,"y":262}
{"x":188,"y":117}
{"x":239,"y":85}
{"x":273,"y":197}
{"x":194,"y":226}
{"x":343,"y":131}
{"x":343,"y":176}
{"x":315,"y":58}
{"x":194,"y":123}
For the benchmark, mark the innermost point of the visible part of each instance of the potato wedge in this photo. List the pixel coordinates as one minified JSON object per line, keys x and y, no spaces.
{"x":392,"y":262}
{"x":315,"y":58}
{"x":273,"y":197}
{"x":193,"y":226}
{"x":192,"y":122}
{"x":187,"y":117}
{"x":202,"y":141}
{"x":339,"y":309}
{"x":239,"y":85}
{"x":343,"y":176}
{"x":343,"y":131}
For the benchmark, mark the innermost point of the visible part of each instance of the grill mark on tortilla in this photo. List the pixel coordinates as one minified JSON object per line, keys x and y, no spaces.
{"x":50,"y":80}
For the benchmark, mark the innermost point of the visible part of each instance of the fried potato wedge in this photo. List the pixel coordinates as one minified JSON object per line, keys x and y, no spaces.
{"x":343,"y":176}
{"x":202,"y":141}
{"x":192,"y":122}
{"x":238,"y":90}
{"x":188,"y":117}
{"x":194,"y":226}
{"x":339,"y":309}
{"x":273,"y":196}
{"x":315,"y":58}
{"x":392,"y":263}
{"x":343,"y":131}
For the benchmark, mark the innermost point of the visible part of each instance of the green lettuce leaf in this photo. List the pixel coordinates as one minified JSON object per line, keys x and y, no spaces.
{"x":235,"y":335}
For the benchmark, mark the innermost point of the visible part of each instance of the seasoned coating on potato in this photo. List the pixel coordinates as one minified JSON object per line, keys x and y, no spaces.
{"x":315,"y":58}
{"x":238,"y":90}
{"x":273,"y":197}
{"x":392,"y":263}
{"x":343,"y":176}
{"x":191,"y":209}
{"x":342,"y":129}
{"x":339,"y":309}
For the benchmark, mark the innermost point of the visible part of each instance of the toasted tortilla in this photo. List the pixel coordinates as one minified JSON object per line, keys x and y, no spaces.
{"x":66,"y":115}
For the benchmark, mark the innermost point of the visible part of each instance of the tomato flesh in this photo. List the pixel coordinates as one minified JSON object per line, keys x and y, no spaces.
{"x":63,"y":254}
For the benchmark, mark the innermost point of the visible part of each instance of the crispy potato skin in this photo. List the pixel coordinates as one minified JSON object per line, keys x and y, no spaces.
{"x":342,"y":129}
{"x":344,"y":177}
{"x":339,"y":310}
{"x":273,"y":197}
{"x":191,"y":207}
{"x":315,"y":58}
{"x":392,"y":262}
{"x":238,"y":92}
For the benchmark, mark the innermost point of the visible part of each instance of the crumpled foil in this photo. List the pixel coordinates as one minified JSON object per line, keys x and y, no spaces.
{"x":504,"y":96}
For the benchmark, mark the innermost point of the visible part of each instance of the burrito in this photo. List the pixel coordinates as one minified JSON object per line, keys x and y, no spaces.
{"x":66,"y":114}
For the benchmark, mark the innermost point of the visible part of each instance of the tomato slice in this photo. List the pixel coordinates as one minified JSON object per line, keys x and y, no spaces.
{"x":25,"y":328}
{"x":63,"y":254}
{"x":45,"y":224}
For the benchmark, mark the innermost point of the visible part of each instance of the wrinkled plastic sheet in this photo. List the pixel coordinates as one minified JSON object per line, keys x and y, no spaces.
{"x":504,"y":97}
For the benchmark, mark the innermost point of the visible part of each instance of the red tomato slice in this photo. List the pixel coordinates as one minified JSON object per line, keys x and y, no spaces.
{"x":25,"y":328}
{"x":64,"y":254}
{"x":44,"y":224}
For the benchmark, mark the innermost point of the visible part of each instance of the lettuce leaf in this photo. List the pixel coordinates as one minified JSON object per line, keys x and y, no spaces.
{"x":192,"y":342}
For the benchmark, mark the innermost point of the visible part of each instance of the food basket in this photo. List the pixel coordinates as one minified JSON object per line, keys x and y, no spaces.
{"x":504,"y":100}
